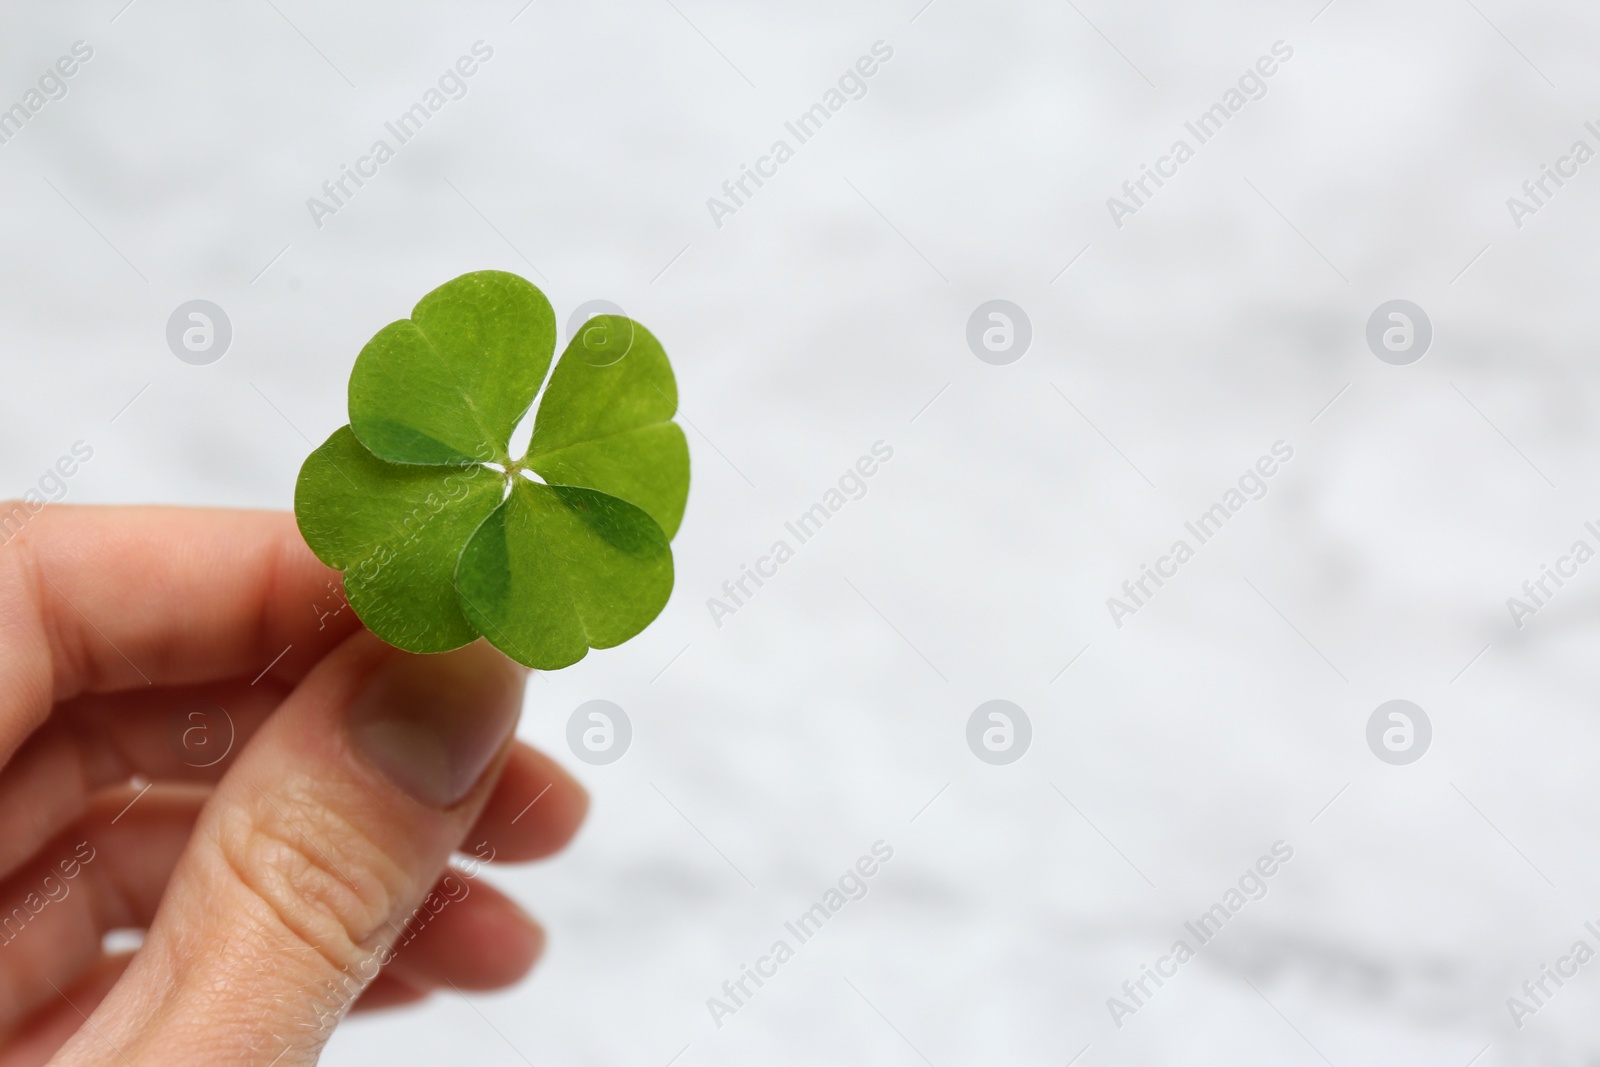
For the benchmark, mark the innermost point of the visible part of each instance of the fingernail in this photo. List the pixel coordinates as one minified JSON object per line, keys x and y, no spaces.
{"x":433,"y":724}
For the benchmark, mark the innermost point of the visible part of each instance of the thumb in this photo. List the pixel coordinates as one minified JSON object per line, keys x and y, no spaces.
{"x":324,"y":836}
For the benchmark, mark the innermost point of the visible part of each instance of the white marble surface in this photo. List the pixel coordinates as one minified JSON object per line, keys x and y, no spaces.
{"x":822,"y":317}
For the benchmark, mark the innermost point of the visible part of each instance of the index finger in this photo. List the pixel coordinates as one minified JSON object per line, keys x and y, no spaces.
{"x":99,"y":599}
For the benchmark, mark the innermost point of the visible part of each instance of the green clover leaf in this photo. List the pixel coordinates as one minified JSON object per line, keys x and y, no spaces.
{"x":443,"y":537}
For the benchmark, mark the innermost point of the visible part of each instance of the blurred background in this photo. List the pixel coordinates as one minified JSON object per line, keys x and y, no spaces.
{"x":1044,"y":451}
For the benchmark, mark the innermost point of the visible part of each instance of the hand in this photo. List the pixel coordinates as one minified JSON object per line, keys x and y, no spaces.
{"x":299,"y":876}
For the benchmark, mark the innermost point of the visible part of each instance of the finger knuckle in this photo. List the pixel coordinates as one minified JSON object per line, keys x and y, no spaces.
{"x":328,"y":884}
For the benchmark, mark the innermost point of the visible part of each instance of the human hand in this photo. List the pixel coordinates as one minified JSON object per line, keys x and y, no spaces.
{"x":300,"y":872}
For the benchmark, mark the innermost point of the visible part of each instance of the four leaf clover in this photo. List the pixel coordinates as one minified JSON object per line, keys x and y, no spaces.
{"x":443,"y":536}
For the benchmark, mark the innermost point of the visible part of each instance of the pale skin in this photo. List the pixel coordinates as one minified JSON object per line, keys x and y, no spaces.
{"x":281,"y":885}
